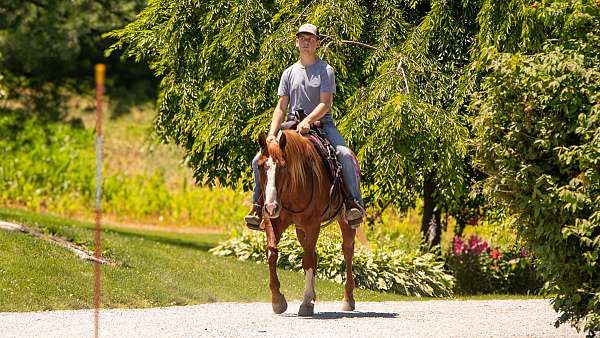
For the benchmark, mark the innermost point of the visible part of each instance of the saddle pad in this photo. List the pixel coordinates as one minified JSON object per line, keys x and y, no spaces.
{"x":328,"y":156}
{"x":337,"y":192}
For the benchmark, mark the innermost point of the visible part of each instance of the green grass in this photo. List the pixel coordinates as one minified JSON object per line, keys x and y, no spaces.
{"x":154,"y":269}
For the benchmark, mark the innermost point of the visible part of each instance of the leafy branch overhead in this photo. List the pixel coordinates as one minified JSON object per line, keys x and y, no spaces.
{"x":220,"y":67}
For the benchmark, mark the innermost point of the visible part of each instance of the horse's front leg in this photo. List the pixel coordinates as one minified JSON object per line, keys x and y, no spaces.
{"x":348,"y":247}
{"x":308,"y":240}
{"x":273,"y":235}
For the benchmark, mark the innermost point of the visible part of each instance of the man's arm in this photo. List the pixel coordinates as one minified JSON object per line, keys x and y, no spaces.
{"x":320,"y":110}
{"x":278,"y":117}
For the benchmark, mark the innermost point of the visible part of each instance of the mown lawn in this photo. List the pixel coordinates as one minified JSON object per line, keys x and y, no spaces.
{"x":153,"y":269}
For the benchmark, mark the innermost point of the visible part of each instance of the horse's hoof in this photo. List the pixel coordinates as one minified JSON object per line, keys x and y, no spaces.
{"x":348,"y":305}
{"x":280,"y":306}
{"x":306,"y":310}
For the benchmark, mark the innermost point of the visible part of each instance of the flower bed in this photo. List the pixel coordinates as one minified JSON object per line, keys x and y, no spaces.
{"x":479,"y":268}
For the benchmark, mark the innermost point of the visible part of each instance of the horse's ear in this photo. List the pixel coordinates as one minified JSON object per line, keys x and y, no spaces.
{"x":282,"y":141}
{"x":262,"y":141}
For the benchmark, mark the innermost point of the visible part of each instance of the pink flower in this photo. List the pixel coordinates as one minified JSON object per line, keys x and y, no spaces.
{"x":496,"y":254}
{"x":477,"y":245}
{"x":523,"y":252}
{"x":458,"y":246}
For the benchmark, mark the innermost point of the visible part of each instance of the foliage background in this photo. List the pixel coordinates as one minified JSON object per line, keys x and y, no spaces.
{"x":48,"y":49}
{"x":537,"y":139}
{"x":458,"y":98}
{"x":406,"y":107}
{"x":215,"y":112}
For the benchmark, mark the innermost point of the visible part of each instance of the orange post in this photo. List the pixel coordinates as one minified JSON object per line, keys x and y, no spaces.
{"x":100,"y":71}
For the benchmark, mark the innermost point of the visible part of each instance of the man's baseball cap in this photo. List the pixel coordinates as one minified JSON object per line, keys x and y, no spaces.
{"x":308,"y":28}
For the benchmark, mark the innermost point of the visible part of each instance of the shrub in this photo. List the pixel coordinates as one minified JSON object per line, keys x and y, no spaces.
{"x":538,"y":139}
{"x":43,"y":161}
{"x":384,"y":269}
{"x":479,"y":269}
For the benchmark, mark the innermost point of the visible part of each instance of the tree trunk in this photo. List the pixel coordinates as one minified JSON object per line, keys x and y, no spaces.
{"x":437,"y":231}
{"x":461,"y":223}
{"x":80,"y":251}
{"x":431,"y":227}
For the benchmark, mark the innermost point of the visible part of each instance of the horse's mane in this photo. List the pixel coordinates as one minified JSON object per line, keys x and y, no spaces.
{"x":300,"y":157}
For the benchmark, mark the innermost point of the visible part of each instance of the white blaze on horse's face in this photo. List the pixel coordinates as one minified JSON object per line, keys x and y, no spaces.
{"x":271,"y":189}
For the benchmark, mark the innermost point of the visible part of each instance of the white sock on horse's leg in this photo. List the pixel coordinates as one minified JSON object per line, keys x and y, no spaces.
{"x":309,"y":286}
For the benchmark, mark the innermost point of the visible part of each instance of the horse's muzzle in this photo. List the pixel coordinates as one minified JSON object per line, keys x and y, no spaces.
{"x":272,"y":209}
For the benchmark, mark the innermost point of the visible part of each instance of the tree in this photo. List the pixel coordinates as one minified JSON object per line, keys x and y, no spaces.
{"x":418,"y":143}
{"x":220,"y":66}
{"x":48,"y":45}
{"x":538,"y":139}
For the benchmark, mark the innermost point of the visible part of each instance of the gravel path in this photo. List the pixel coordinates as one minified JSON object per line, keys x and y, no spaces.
{"x":496,"y":318}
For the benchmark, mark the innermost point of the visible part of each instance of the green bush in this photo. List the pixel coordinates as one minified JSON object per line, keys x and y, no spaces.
{"x":51,"y":166}
{"x":384,"y":269}
{"x":538,"y":139}
{"x":479,"y":269}
{"x":44,"y":163}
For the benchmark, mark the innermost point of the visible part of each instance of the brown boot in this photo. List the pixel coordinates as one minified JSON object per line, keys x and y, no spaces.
{"x":355,"y":214}
{"x":254,"y":218}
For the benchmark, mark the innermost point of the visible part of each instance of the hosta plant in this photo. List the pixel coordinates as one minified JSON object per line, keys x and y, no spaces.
{"x":388,"y":269}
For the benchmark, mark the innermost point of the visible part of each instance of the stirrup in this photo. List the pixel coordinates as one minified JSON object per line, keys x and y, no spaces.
{"x":253,"y":220}
{"x":354,"y":214}
{"x":354,"y":222}
{"x":253,"y":226}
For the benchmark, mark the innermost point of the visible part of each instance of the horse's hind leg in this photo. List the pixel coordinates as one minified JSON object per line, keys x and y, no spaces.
{"x":348,"y":246}
{"x":308,"y":240}
{"x":277,"y":299}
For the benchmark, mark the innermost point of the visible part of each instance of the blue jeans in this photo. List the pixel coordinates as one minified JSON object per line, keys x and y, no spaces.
{"x":344,"y":155}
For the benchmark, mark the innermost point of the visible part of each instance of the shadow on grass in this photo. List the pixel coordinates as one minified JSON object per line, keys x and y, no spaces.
{"x":42,"y":221}
{"x":190,"y":244}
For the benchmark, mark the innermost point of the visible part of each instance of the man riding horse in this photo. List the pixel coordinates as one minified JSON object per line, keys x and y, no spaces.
{"x":308,"y":86}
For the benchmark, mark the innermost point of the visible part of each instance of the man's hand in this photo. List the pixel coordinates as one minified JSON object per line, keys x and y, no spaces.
{"x":303,"y":127}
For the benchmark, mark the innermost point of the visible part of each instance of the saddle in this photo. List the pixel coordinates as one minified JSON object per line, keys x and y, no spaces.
{"x":337,"y":192}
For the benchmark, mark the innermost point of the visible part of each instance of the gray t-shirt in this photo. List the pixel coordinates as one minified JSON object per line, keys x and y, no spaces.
{"x":303,"y":85}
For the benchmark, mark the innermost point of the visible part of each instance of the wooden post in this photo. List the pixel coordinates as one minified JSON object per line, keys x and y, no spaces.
{"x":100,"y":71}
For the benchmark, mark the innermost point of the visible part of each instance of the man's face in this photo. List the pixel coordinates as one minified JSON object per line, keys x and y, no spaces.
{"x":307,"y":43}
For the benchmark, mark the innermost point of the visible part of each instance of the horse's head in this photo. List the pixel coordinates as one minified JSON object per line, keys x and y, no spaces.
{"x":290,"y":168}
{"x":273,"y":164}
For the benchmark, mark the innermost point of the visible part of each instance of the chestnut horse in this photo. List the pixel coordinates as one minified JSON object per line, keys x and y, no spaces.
{"x":296,"y":189}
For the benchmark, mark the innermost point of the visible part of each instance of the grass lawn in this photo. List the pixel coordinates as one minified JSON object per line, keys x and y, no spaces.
{"x":154,"y":269}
